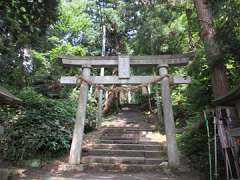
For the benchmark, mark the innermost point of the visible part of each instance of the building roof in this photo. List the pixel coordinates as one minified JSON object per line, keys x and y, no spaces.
{"x":7,"y":98}
{"x":230,"y":98}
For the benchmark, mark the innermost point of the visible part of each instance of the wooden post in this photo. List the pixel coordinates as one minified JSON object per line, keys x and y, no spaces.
{"x":76,"y":147}
{"x":173,"y":154}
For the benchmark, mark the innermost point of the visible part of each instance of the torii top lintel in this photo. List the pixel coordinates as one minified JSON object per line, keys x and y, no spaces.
{"x":176,"y":60}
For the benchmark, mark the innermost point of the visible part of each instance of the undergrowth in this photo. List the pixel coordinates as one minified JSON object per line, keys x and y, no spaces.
{"x":40,"y":126}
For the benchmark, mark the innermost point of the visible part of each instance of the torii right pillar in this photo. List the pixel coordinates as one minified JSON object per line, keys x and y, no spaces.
{"x":173,"y":154}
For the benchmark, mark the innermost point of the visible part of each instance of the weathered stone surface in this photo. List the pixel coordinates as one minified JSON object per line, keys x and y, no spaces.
{"x":128,"y":142}
{"x":123,"y":160}
{"x":76,"y":146}
{"x":126,"y":153}
{"x":123,"y":67}
{"x":173,"y":154}
{"x":1,"y":130}
{"x":177,"y":59}
{"x":70,"y":167}
{"x":130,"y":147}
{"x":133,"y":80}
{"x":34,"y":163}
{"x":9,"y":173}
{"x":124,"y":167}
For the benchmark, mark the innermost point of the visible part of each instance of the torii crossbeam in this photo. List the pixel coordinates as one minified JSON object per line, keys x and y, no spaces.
{"x":123,"y":78}
{"x":99,"y":61}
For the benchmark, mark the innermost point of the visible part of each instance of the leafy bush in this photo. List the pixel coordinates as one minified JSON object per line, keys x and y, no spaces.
{"x":43,"y":125}
{"x":194,"y":144}
{"x":91,"y":109}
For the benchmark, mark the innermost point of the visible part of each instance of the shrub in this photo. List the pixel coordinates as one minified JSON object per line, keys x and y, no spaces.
{"x":194,"y":144}
{"x":41,"y":126}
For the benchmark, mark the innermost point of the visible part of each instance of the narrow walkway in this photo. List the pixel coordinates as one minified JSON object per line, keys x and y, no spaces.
{"x":126,"y":147}
{"x":128,"y":143}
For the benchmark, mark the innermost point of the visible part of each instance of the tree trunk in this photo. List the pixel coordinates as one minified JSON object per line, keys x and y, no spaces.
{"x":108,"y":104}
{"x":111,"y":99}
{"x":215,"y":60}
{"x":189,"y":21}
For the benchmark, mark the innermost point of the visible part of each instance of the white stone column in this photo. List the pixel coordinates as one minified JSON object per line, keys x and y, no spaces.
{"x":129,"y":95}
{"x":100,"y":102}
{"x":76,"y":146}
{"x":173,"y":154}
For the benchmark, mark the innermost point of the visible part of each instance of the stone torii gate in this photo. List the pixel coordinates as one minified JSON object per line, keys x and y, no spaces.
{"x":123,"y":63}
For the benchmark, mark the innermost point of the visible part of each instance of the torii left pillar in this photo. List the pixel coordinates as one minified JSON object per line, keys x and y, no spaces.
{"x":173,"y":154}
{"x":76,"y":146}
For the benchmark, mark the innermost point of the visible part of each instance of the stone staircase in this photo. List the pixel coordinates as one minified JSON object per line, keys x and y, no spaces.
{"x":125,"y":145}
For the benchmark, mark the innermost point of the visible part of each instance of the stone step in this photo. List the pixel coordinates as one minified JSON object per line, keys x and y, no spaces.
{"x":124,"y":167}
{"x":127,"y":133}
{"x":133,"y":139}
{"x":120,"y":138}
{"x":126,"y":153}
{"x":10,"y":173}
{"x":126,"y":123}
{"x":129,"y":142}
{"x":126,"y":129}
{"x":123,"y":160}
{"x":130,"y":147}
{"x":123,"y":135}
{"x":130,"y":128}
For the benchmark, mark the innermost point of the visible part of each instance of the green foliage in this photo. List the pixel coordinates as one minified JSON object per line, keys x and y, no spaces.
{"x":42,"y":125}
{"x":193,"y":143}
{"x":91,"y":107}
{"x":157,"y":28}
{"x":23,"y":25}
{"x":72,"y":34}
{"x":74,"y":27}
{"x":25,"y":21}
{"x":111,"y":14}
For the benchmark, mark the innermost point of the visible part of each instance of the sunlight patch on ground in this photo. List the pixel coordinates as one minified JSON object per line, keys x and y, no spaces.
{"x":155,"y":136}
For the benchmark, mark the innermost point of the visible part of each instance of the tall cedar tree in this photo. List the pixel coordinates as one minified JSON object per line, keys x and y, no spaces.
{"x":216,"y":64}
